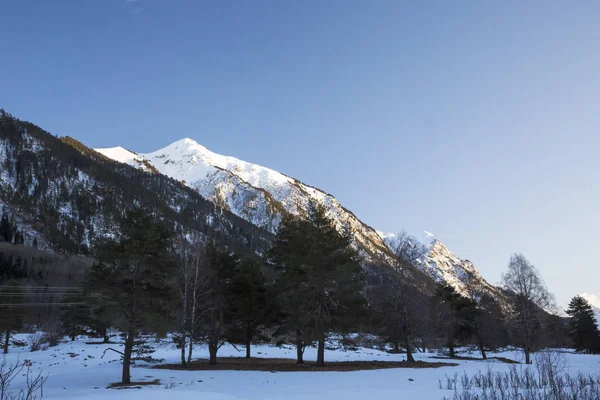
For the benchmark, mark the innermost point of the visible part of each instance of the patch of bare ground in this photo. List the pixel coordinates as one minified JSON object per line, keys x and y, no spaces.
{"x":502,"y":359}
{"x":132,"y":385}
{"x":289,"y":365}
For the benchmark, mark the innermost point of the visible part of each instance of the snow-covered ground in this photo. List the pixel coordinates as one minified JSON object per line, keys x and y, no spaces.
{"x":76,"y":370}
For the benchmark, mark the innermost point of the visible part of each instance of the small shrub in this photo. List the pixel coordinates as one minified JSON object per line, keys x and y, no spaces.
{"x":33,"y":383}
{"x":36,"y":340}
{"x":548,"y":380}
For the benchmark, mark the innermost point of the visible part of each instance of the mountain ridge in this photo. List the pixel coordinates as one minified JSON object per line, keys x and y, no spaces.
{"x":240,"y":186}
{"x":67,"y":195}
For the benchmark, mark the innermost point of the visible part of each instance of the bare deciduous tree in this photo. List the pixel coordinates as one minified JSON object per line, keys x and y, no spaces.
{"x":530,"y":299}
{"x":398,"y":300}
{"x":190,"y":281}
{"x":33,"y":383}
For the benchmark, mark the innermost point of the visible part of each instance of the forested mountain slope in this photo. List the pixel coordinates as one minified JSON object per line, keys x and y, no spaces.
{"x":63,"y":194}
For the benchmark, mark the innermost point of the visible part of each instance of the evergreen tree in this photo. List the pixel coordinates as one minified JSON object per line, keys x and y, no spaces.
{"x":132,"y":279}
{"x":459,"y":315}
{"x":221,"y":264}
{"x":582,"y":325}
{"x":13,"y":313}
{"x":6,"y":233}
{"x":321,"y":278}
{"x":250,"y":303}
{"x":75,"y":316}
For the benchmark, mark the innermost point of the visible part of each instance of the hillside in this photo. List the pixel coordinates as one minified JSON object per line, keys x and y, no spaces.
{"x":64,"y":195}
{"x":260,"y":195}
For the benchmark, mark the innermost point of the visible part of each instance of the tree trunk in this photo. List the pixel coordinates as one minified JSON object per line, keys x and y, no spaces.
{"x":212,"y":349}
{"x":184,"y":320}
{"x":409,"y":353}
{"x":126,"y":377}
{"x":183,"y":343}
{"x":6,"y":340}
{"x":248,"y":349}
{"x":451,"y":351}
{"x":396,"y":348}
{"x":193,"y":314}
{"x":527,"y":355}
{"x":213,"y":339}
{"x":482,"y":349}
{"x":321,"y":349}
{"x":299,"y":347}
{"x":105,"y":337}
{"x":191,"y":346}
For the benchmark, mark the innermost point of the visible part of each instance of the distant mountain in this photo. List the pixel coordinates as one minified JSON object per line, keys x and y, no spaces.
{"x":260,"y":195}
{"x":63,"y":195}
{"x":442,"y":265}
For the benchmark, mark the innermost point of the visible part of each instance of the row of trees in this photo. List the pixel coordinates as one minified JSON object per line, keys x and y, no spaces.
{"x":308,"y":284}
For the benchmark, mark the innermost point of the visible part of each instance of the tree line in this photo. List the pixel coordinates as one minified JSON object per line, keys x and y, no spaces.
{"x":310,"y":284}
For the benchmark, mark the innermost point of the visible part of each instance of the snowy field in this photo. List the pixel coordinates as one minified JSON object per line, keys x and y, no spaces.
{"x":76,"y":370}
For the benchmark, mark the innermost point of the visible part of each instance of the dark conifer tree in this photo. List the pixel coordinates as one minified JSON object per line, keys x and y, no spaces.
{"x":250,"y":303}
{"x":13,"y":314}
{"x":132,"y":279}
{"x":459,"y":316}
{"x":322,"y":278}
{"x":221,"y":265}
{"x":582,"y":325}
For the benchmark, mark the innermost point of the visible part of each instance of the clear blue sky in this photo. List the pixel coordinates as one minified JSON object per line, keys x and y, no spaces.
{"x":478,"y":121}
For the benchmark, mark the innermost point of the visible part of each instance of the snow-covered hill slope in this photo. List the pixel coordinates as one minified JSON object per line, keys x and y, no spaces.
{"x":253,"y":192}
{"x":442,"y":265}
{"x":64,"y":196}
{"x":260,"y":194}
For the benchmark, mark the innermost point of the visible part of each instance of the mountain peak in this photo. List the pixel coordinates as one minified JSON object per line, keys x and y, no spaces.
{"x":261,"y":196}
{"x":184,"y":146}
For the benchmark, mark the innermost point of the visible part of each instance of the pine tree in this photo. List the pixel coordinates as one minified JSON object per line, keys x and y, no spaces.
{"x":12,"y":315}
{"x":6,"y":233}
{"x":321,"y":278}
{"x":132,"y":279}
{"x":221,"y":264}
{"x":250,"y":303}
{"x":459,"y":316}
{"x":582,"y":325}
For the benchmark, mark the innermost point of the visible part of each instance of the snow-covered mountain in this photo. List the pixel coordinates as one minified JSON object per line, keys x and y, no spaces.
{"x":250,"y":191}
{"x":63,"y":196}
{"x":260,"y":195}
{"x":442,"y":265}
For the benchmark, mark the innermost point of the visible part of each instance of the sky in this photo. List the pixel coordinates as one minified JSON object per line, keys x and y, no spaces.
{"x":477,"y":121}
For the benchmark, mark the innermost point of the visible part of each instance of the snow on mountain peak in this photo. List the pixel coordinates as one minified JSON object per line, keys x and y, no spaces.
{"x":253,"y":192}
{"x":119,"y":154}
{"x":260,"y":195}
{"x":188,"y":160}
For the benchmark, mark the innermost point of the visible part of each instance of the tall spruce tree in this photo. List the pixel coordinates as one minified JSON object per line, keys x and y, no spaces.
{"x":459,"y":316}
{"x":321,"y":277}
{"x":132,"y":279}
{"x":221,"y":264}
{"x":250,"y":303}
{"x":582,"y":325}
